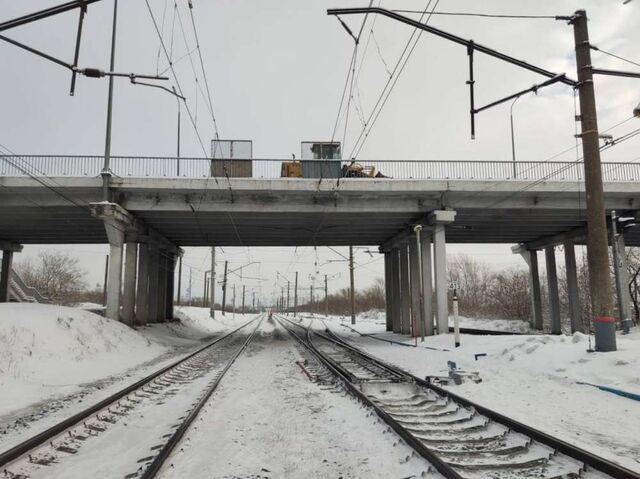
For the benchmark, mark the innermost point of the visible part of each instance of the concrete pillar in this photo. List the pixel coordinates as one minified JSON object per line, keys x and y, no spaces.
{"x":388,"y":289}
{"x":441,"y":280}
{"x":129,"y":287}
{"x":171,"y":267}
{"x":162,"y":287}
{"x":572,"y":286}
{"x":414,"y":271}
{"x":142,"y":290}
{"x":622,"y":282}
{"x":115,"y":234}
{"x":396,"y":313}
{"x":552,"y":286}
{"x":427,"y":283}
{"x":531,"y":258}
{"x":154,"y":276}
{"x":405,"y":292}
{"x":5,"y":275}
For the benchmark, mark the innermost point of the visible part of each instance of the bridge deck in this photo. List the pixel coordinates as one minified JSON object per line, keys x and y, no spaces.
{"x":299,"y":212}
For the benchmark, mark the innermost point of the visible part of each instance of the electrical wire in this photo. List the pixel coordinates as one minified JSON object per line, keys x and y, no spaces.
{"x":593,"y":47}
{"x":392,"y":80}
{"x":485,"y":15}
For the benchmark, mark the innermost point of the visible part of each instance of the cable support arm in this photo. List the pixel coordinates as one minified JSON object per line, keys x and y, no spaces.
{"x":533,"y":89}
{"x":615,"y":73}
{"x":47,"y":12}
{"x":453,"y":38}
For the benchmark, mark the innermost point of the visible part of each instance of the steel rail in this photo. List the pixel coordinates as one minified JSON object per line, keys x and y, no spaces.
{"x":442,"y":467}
{"x":159,"y":460}
{"x":26,"y":446}
{"x":586,"y":457}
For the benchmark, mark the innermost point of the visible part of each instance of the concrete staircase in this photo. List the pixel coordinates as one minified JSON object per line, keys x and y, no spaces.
{"x":20,"y":292}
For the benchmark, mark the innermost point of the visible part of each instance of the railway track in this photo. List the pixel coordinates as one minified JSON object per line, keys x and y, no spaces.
{"x":460,"y":439}
{"x":131,"y":433}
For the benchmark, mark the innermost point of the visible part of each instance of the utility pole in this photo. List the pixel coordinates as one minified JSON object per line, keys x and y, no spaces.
{"x":243,"y":299}
{"x":597,"y":244}
{"x":312,"y":298}
{"x":288,"y":290}
{"x":353,"y":293}
{"x":212,"y":306}
{"x":254,"y":302}
{"x":106,"y":169}
{"x":281,"y":297}
{"x":190,"y":284}
{"x":234,"y":302}
{"x":178,"y":142}
{"x":224,"y":287}
{"x":295,"y":297}
{"x":179,"y":277}
{"x":326,"y":297}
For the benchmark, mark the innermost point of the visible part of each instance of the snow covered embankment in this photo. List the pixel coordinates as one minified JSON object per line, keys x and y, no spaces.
{"x":50,"y":351}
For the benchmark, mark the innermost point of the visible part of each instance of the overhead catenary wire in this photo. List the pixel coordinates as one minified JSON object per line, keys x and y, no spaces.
{"x":593,"y":47}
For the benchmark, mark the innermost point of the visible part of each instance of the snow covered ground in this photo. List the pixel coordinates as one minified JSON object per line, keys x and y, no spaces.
{"x":531,"y":378}
{"x":268,"y":420}
{"x":56,"y":360}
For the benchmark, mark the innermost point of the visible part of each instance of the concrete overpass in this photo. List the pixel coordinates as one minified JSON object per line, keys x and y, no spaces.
{"x":58,"y":200}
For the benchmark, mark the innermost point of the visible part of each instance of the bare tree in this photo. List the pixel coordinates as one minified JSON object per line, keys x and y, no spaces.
{"x":55,"y":275}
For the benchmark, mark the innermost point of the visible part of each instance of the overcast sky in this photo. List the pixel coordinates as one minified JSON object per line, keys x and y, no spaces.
{"x":276,"y":71}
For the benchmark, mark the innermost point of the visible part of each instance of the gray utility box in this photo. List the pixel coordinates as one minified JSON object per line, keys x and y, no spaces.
{"x":232,"y":168}
{"x":321,"y":159}
{"x":321,"y":169}
{"x":232,"y":158}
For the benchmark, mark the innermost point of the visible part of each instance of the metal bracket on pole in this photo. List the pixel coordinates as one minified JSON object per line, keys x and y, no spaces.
{"x":76,"y":55}
{"x":533,"y":89}
{"x":470,"y":82}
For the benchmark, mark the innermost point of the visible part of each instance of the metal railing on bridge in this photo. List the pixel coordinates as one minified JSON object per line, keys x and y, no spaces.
{"x":165,"y":167}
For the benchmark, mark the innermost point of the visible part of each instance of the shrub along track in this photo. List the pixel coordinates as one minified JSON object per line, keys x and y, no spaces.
{"x":163,"y":400}
{"x":460,"y":439}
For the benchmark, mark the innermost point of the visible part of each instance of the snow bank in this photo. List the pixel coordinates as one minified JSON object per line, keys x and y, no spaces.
{"x":48,"y":350}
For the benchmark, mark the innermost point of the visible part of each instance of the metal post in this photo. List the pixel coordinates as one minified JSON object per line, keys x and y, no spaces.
{"x":106,"y":170}
{"x":288,"y":294}
{"x":190,"y":285}
{"x":456,"y":320}
{"x":597,"y":254}
{"x":513,"y":141}
{"x":352,"y":292}
{"x":311,"y":297}
{"x":326,"y":297}
{"x":234,"y":302}
{"x":224,"y":287}
{"x":295,"y":297}
{"x":212,"y":306}
{"x":253,"y":303}
{"x":178,"y":142}
{"x":243,"y":286}
{"x":205,"y":293}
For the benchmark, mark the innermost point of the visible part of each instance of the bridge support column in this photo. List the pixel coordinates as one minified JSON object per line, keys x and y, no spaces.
{"x":154,"y":276}
{"x":621,"y":272}
{"x":129,"y":287}
{"x":170,"y":275}
{"x":572,"y":286}
{"x":552,"y":285}
{"x":8,"y":248}
{"x":142,"y":290}
{"x":531,"y":258}
{"x":427,"y":283}
{"x":405,"y":292}
{"x":414,"y":269}
{"x":441,"y":283}
{"x":388,"y":289}
{"x":115,"y":234}
{"x":161,"y":309}
{"x":396,"y":312}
